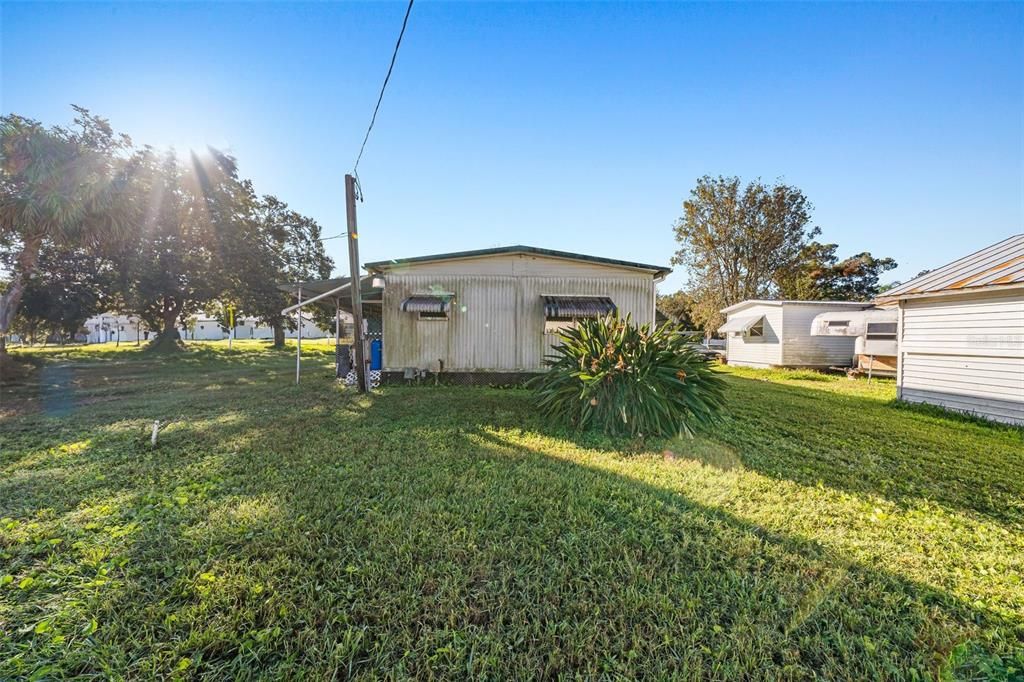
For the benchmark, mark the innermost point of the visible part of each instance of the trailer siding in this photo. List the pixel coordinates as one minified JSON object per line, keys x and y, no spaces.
{"x":965,"y":352}
{"x":801,"y":349}
{"x":497,"y":320}
{"x":761,"y":352}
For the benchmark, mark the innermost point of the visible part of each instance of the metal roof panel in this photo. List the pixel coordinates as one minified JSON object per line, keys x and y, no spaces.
{"x":1000,"y":264}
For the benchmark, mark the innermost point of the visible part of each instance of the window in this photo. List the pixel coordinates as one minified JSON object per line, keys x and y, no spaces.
{"x":881,"y":331}
{"x":433,"y":315}
{"x":838,"y":323}
{"x":757,"y":331}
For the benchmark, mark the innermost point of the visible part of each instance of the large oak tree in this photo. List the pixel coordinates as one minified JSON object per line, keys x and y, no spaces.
{"x":194,"y":219}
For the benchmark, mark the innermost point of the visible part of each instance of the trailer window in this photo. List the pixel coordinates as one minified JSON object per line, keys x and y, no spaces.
{"x":757,"y":331}
{"x":881,"y":331}
{"x":838,"y":323}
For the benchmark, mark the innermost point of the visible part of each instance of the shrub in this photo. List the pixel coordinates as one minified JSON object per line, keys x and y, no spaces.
{"x":626,"y":379}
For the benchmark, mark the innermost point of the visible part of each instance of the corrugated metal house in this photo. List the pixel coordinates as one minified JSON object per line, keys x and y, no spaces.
{"x":499,"y":310}
{"x":762,"y":333}
{"x":961,"y":334}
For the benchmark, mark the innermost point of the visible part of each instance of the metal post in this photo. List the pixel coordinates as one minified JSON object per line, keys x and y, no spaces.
{"x":298,"y":344}
{"x":354,"y":283}
{"x":871,"y":366}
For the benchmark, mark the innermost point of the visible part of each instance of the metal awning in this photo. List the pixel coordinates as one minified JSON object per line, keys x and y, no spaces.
{"x":740,"y":325}
{"x":427,"y":303}
{"x":578,"y":306}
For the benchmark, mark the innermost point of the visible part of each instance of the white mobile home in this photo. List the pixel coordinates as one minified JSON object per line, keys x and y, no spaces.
{"x":499,"y":310}
{"x":113,"y":327}
{"x":961,"y":334}
{"x":762,"y":333}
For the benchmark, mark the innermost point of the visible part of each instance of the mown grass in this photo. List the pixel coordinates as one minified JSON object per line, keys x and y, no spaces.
{"x":301,"y":531}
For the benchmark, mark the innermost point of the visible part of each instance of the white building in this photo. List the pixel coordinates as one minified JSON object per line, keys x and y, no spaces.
{"x":209,"y":328}
{"x":874,"y":329}
{"x":113,"y":327}
{"x":961,"y":334}
{"x":762,"y":333}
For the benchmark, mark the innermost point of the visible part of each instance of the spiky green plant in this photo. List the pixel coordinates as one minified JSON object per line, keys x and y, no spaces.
{"x":629,"y":380}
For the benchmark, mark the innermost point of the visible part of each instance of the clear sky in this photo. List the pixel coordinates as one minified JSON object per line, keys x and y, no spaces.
{"x":579,"y":127}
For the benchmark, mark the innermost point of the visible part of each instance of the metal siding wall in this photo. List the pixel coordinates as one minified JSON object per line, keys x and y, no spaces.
{"x":965,"y":353}
{"x":766,"y":352}
{"x":800,"y":349}
{"x":497,"y":322}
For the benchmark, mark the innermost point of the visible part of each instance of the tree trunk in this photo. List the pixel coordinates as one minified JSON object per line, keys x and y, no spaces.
{"x":168,"y":339}
{"x":278,"y":326}
{"x":25,"y":265}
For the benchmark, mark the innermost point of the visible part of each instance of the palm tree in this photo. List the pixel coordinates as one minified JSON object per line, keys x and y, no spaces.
{"x":68,"y":186}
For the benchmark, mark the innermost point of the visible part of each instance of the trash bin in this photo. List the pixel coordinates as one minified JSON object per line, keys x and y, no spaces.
{"x":376,"y":359}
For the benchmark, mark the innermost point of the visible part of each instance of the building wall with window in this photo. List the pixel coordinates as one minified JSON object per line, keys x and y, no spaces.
{"x":779,"y":334}
{"x":494,"y":317}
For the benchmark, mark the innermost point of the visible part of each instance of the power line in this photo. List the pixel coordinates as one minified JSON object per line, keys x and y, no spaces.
{"x":383,"y":87}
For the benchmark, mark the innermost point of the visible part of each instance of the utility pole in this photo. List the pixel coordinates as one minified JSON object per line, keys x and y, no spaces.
{"x":355,"y":283}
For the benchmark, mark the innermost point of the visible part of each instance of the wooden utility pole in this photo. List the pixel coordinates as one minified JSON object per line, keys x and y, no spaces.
{"x":355,"y":283}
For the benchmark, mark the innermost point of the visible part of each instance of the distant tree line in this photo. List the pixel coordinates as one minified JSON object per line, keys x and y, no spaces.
{"x":756,"y":241}
{"x":91,"y":222}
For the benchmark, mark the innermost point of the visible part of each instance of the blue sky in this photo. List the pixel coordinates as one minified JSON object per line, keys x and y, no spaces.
{"x":580,"y":127}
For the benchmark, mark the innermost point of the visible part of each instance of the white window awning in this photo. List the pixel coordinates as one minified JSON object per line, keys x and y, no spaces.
{"x":740,"y":325}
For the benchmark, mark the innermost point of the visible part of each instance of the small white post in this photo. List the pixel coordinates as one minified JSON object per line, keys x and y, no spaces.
{"x":298,"y":344}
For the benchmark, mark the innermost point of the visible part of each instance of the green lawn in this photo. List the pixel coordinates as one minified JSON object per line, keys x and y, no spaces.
{"x":287,"y":531}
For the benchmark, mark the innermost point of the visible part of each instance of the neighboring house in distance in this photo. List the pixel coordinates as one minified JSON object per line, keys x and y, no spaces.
{"x":763,"y":333}
{"x":961,"y":334}
{"x":499,"y":310}
{"x":112,"y":327}
{"x":208,"y":328}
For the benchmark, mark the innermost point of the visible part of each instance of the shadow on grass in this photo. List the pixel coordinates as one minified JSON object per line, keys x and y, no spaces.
{"x":315,"y":533}
{"x":869,"y":446}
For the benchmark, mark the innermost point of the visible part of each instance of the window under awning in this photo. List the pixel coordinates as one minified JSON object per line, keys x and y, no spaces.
{"x":577,"y":306}
{"x":740,"y":325}
{"x":424,"y":303}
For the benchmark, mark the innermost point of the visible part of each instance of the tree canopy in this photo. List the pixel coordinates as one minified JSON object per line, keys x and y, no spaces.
{"x":89,"y":221}
{"x":757,"y":240}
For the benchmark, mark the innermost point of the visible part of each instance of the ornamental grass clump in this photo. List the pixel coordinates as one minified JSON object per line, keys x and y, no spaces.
{"x":627,"y":380}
